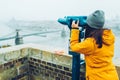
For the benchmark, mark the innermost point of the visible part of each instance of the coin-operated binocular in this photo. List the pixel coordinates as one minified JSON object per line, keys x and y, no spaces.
{"x":76,"y":60}
{"x":67,"y":20}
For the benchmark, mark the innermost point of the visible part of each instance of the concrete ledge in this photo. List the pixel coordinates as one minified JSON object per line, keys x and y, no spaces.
{"x":30,"y":45}
{"x":45,"y":53}
{"x":40,"y":61}
{"x":118,"y":71}
{"x":116,"y":61}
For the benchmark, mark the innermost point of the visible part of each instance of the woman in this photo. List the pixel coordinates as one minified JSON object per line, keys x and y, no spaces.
{"x":98,"y":47}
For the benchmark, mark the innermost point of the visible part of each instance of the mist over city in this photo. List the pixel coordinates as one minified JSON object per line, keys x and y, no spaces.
{"x":31,"y":36}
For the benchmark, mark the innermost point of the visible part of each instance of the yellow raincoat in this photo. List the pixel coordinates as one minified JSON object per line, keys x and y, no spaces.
{"x":99,"y":64}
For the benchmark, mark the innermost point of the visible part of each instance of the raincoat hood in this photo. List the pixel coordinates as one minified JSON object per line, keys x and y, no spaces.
{"x":108,"y":37}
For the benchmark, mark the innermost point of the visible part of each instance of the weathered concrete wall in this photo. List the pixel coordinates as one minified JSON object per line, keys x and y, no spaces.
{"x":14,"y":65}
{"x":44,"y":65}
{"x":117,"y":64}
{"x":118,"y":71}
{"x":26,"y":62}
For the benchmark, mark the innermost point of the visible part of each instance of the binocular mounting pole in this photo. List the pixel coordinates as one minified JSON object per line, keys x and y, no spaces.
{"x":75,"y":65}
{"x":76,"y":62}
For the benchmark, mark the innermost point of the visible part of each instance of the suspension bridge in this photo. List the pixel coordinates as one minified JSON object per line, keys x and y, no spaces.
{"x":19,"y":38}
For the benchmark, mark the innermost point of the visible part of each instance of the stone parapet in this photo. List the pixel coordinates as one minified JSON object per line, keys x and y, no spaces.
{"x":36,"y":62}
{"x":118,"y":71}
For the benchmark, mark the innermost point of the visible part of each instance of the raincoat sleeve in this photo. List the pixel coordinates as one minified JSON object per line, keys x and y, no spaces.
{"x":84,"y":47}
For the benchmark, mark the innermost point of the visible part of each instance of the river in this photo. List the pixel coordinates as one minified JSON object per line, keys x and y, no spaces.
{"x":48,"y":39}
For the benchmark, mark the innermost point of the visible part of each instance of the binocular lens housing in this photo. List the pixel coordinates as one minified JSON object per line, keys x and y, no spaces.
{"x":67,"y":20}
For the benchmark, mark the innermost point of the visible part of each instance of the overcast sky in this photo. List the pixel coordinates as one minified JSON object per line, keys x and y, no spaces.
{"x":53,"y":9}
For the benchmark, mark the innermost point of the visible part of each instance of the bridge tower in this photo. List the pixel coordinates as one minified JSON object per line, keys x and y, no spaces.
{"x":18,"y":39}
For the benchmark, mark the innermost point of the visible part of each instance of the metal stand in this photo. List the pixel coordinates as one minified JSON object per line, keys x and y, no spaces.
{"x":76,"y":60}
{"x":75,"y":65}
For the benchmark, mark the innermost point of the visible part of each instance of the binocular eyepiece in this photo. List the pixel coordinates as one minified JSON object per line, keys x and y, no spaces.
{"x":67,"y":20}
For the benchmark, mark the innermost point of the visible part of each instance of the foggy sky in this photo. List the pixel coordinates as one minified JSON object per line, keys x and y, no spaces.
{"x":53,"y":9}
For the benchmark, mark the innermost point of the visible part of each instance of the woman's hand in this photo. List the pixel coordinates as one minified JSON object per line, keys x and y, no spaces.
{"x":75,"y":25}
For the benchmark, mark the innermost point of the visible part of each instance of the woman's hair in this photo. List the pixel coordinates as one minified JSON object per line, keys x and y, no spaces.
{"x":95,"y":33}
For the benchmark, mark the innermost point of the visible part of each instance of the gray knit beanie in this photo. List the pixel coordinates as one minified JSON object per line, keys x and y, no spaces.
{"x":96,"y":19}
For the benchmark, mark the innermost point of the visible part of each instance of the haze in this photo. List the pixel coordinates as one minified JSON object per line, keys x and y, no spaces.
{"x":53,"y":9}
